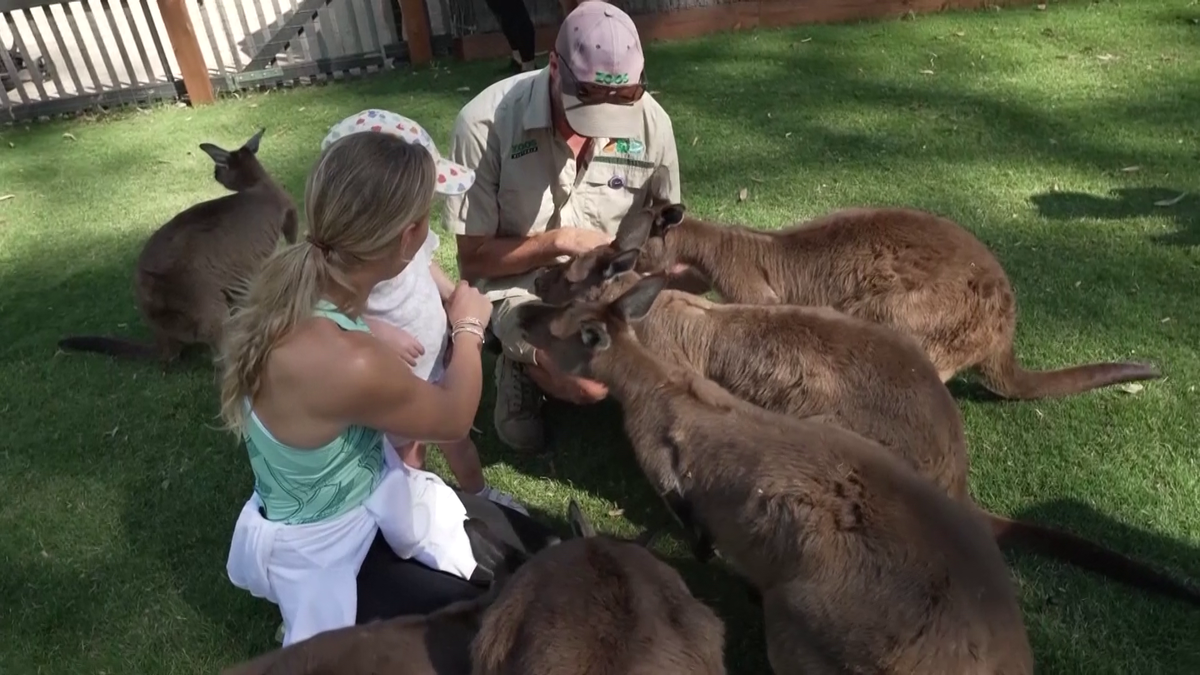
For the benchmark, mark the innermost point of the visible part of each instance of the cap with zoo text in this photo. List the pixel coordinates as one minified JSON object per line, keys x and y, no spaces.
{"x":598,"y":48}
{"x":452,"y":179}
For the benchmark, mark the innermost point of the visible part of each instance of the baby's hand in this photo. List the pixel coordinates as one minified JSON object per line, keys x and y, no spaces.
{"x":407,"y":346}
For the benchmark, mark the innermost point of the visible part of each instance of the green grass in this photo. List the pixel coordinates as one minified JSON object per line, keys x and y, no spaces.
{"x":1049,"y":133}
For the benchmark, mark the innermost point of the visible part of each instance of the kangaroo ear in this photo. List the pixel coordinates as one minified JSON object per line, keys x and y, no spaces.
{"x":669,"y":217}
{"x":577,"y":269}
{"x":637,"y":301}
{"x":252,"y":144}
{"x":594,"y":335}
{"x":623,"y":262}
{"x":580,"y":525}
{"x":219,"y":155}
{"x":648,"y":538}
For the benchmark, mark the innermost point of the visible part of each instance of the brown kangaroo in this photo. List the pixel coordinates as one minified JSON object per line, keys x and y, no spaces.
{"x":917,"y":272}
{"x":864,"y":376}
{"x":602,"y":606}
{"x":438,"y":643}
{"x":862,"y":565}
{"x":192,"y":268}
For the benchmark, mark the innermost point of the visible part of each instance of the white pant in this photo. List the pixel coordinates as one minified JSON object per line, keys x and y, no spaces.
{"x":310,"y":570}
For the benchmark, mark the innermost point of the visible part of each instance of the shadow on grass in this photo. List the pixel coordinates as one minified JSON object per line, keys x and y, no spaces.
{"x":1124,"y":203}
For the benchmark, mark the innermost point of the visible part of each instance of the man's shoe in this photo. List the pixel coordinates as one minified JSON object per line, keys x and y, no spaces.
{"x":518,"y":412}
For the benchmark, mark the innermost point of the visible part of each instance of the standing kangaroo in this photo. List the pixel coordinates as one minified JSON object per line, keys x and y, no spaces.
{"x":919,"y":273}
{"x":598,"y":605}
{"x":863,"y":376}
{"x":862,"y":565}
{"x":193,"y":267}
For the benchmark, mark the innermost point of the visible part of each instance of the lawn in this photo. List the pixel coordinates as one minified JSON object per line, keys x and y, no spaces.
{"x":1050,"y":134}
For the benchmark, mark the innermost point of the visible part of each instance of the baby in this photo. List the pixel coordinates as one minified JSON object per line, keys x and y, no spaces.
{"x":408,"y":312}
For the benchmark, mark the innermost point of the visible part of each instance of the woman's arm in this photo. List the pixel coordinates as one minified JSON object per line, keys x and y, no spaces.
{"x":373,"y":387}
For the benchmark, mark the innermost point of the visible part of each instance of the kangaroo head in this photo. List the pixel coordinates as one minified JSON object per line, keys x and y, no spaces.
{"x":639,"y":243}
{"x":573,"y":333}
{"x":239,"y":169}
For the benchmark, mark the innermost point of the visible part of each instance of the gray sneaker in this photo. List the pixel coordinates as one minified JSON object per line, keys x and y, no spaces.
{"x":518,"y":411}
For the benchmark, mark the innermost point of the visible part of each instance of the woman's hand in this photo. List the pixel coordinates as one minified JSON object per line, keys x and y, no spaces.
{"x":468,"y":303}
{"x":408,"y":347}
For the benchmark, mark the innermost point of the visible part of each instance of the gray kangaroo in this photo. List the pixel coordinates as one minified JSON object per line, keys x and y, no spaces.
{"x":862,"y":565}
{"x":864,"y":376}
{"x":193,"y":268}
{"x":919,"y":273}
{"x":598,"y":605}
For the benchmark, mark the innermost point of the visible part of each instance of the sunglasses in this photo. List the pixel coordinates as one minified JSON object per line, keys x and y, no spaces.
{"x":592,"y":93}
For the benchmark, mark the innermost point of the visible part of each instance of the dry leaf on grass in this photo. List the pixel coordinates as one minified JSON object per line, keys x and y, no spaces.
{"x":743,"y":194}
{"x":695,"y":139}
{"x":1041,"y":6}
{"x":1171,"y":202}
{"x":1131,"y":169}
{"x":616,"y":513}
{"x":1130,"y":387}
{"x":69,"y":136}
{"x":464,"y":89}
{"x":807,"y":40}
{"x":4,"y":198}
{"x":927,"y":72}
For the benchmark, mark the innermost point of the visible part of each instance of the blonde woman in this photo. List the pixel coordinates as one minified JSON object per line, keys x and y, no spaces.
{"x":332,"y":534}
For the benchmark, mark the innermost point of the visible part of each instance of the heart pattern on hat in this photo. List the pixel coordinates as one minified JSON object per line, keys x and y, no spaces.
{"x":385,"y":121}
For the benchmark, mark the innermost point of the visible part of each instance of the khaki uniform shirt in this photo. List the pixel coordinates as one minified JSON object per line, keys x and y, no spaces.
{"x":525,"y":177}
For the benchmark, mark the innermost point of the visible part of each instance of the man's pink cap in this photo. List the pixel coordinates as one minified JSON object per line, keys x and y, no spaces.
{"x":598,"y":43}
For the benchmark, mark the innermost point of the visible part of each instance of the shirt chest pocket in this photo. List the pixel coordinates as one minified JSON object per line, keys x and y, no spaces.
{"x":610,"y":191}
{"x":525,"y":206}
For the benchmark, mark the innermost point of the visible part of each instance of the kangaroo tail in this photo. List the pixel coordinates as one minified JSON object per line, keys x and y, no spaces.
{"x":1089,"y":555}
{"x":1004,"y":376}
{"x":110,"y":346}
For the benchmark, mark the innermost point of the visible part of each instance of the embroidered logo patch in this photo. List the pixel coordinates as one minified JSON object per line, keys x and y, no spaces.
{"x":523,"y":148}
{"x":624,"y":146}
{"x":616,"y":182}
{"x":611,"y":78}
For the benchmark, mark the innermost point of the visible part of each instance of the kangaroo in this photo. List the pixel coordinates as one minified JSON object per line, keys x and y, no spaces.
{"x":862,"y":565}
{"x":866,"y":377}
{"x":598,"y":605}
{"x":193,"y":268}
{"x":435,"y":644}
{"x":917,"y":272}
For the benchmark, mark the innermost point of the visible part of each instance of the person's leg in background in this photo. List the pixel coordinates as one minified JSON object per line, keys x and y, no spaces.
{"x":518,"y":30}
{"x":518,"y":412}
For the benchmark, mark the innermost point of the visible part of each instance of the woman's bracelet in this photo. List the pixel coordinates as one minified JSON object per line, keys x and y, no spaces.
{"x":473,"y":330}
{"x":467,"y":321}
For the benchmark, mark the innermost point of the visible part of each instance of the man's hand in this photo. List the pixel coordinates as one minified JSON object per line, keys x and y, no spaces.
{"x":576,"y":240}
{"x":564,"y":386}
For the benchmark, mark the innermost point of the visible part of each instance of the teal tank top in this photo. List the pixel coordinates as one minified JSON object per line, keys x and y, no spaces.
{"x":306,"y":486}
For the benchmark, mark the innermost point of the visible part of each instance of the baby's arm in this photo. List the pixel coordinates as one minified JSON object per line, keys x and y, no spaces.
{"x":444,"y":285}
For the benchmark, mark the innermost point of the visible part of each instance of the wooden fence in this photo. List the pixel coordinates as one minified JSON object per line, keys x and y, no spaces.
{"x":114,"y":52}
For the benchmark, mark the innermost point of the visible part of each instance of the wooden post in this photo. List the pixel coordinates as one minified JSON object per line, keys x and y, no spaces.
{"x":187,"y":50}
{"x":415,"y":19}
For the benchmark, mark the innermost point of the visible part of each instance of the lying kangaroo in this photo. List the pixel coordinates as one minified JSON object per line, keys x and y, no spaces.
{"x":602,"y":606}
{"x":435,"y":644}
{"x":917,"y":272}
{"x":863,"y":376}
{"x":193,"y":267}
{"x":862,"y":565}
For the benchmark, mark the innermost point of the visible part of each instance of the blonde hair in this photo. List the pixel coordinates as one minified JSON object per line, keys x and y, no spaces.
{"x":365,"y":190}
